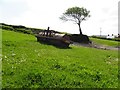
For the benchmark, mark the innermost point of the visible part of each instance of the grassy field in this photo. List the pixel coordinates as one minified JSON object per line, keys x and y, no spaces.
{"x":0,"y":59}
{"x":105,"y":42}
{"x":29,"y":64}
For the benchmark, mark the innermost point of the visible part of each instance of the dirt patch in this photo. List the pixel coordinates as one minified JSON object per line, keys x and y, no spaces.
{"x":98,"y":46}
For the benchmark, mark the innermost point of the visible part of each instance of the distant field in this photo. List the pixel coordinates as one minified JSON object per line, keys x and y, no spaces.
{"x":29,"y":64}
{"x":105,"y":42}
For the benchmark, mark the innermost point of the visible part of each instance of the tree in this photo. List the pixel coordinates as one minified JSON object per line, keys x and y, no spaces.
{"x":76,"y":15}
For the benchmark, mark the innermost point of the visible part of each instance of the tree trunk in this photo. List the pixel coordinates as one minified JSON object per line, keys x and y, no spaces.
{"x":80,"y":29}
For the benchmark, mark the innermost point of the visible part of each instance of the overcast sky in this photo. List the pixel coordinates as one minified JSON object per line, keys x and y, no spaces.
{"x":44,"y":13}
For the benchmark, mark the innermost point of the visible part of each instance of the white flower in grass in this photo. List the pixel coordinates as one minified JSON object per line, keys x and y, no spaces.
{"x":13,"y":54}
{"x":38,"y":54}
{"x":116,"y":59}
{"x":22,"y":61}
{"x":108,"y":62}
{"x":5,"y":56}
{"x":35,"y":50}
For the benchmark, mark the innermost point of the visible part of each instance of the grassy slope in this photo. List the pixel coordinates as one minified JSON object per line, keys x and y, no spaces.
{"x":0,"y":59}
{"x":105,"y":42}
{"x":27,"y":63}
{"x":0,"y":42}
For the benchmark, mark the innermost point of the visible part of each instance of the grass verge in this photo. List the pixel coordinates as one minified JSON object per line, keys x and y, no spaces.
{"x":30,"y":64}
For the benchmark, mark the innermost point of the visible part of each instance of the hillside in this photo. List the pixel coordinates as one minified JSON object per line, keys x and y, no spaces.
{"x":27,"y":63}
{"x":22,"y":29}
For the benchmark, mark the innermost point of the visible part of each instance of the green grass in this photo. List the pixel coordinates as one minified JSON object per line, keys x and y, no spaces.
{"x":29,"y":64}
{"x":105,"y":42}
{"x":0,"y":41}
{"x":0,"y":58}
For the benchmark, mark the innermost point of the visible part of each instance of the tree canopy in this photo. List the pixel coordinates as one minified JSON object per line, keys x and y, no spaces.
{"x":76,"y":14}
